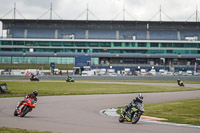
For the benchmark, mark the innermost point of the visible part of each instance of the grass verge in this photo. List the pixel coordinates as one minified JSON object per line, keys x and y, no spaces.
{"x":184,"y":111}
{"x":146,"y":81}
{"x":63,"y":88}
{"x":17,"y":130}
{"x":129,"y":81}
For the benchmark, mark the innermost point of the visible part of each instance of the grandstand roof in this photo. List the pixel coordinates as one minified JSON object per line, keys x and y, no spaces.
{"x":7,"y":23}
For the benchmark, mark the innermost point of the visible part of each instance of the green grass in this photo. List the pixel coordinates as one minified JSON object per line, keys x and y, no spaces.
{"x":63,"y":88}
{"x":129,"y":81}
{"x":147,"y":81}
{"x":17,"y":130}
{"x":185,"y":112}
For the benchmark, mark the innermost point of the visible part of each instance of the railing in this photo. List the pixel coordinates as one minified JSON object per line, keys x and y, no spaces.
{"x":144,"y":65}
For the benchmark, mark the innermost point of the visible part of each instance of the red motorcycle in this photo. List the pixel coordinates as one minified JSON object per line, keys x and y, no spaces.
{"x":25,"y":107}
{"x":180,"y":83}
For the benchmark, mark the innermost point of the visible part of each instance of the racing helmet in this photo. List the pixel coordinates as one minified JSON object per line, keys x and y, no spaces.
{"x":35,"y":92}
{"x":140,"y":96}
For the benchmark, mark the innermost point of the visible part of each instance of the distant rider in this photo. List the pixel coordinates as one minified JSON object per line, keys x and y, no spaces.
{"x":179,"y":82}
{"x":138,"y":99}
{"x":32,"y":96}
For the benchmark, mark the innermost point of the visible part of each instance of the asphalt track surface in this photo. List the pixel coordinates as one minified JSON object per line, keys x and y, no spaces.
{"x":80,"y":114}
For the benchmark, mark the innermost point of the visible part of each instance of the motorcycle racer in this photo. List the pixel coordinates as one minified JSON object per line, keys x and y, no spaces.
{"x":133,"y":111}
{"x":138,"y":99}
{"x":32,"y":96}
{"x":180,"y":82}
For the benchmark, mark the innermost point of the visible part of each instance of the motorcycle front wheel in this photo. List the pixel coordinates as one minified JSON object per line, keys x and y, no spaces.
{"x":15,"y":113}
{"x":135,"y":118}
{"x":121,"y":118}
{"x":25,"y":110}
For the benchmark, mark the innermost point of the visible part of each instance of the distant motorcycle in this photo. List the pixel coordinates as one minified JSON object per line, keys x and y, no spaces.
{"x":25,"y":107}
{"x":34,"y":78}
{"x":133,"y":114}
{"x":180,"y":83}
{"x":69,"y":79}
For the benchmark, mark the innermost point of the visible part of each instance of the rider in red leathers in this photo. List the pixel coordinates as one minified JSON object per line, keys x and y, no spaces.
{"x":32,"y":96}
{"x":180,"y":82}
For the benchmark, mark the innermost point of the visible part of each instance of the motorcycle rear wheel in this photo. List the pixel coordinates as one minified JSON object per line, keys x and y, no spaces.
{"x":135,"y":119}
{"x":25,"y":110}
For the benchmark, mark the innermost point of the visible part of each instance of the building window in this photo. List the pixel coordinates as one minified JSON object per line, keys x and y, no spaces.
{"x":154,"y":44}
{"x":6,"y":43}
{"x":18,"y":43}
{"x":178,"y":45}
{"x":169,"y":51}
{"x":166,"y":45}
{"x":142,"y":44}
{"x":127,"y":44}
{"x":117,"y":44}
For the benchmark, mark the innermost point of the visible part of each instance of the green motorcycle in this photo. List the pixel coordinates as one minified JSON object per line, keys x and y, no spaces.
{"x":69,"y":79}
{"x":133,"y":114}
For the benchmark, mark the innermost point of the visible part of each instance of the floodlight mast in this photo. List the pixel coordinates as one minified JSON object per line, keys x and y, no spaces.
{"x":124,"y":12}
{"x":51,"y":11}
{"x":160,"y":14}
{"x":14,"y":15}
{"x":15,"y":11}
{"x":87,"y":11}
{"x":196,"y":13}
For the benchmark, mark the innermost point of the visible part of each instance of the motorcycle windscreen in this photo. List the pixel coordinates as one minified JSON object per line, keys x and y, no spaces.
{"x":32,"y":101}
{"x":140,"y":106}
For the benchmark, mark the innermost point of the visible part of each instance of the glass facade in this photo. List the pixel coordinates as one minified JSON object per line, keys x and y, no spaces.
{"x":43,"y":60}
{"x":37,"y":60}
{"x":112,"y":47}
{"x":85,"y":46}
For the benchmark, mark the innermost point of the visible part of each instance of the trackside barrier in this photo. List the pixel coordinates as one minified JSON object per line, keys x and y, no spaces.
{"x":3,"y":88}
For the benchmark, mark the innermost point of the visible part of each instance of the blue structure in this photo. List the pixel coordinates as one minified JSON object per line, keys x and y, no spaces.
{"x":81,"y":61}
{"x":104,"y":43}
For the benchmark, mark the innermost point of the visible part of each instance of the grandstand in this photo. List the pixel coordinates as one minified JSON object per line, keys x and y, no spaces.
{"x":119,"y":44}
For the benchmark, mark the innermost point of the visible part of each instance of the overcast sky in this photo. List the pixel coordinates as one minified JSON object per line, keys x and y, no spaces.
{"x":177,"y":10}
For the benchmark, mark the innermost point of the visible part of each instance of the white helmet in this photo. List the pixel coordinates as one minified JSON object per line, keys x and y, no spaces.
{"x":140,"y":96}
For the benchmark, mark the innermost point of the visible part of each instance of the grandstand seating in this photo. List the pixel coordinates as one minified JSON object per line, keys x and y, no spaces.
{"x":41,"y":33}
{"x":17,"y":32}
{"x":189,"y":33}
{"x":140,"y":34}
{"x":122,"y":32}
{"x":163,"y":34}
{"x":78,"y":33}
{"x":101,"y":34}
